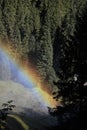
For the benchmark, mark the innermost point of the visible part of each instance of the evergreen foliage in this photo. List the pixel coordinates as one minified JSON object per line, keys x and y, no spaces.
{"x":51,"y":34}
{"x":32,"y":27}
{"x":72,"y":74}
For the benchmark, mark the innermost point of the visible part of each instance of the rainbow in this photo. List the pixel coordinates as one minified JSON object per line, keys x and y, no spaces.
{"x":30,"y":77}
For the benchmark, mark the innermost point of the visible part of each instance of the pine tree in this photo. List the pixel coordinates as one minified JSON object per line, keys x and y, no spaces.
{"x":72,"y":84}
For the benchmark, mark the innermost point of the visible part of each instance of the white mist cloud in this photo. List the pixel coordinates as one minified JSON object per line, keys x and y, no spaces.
{"x":22,"y":97}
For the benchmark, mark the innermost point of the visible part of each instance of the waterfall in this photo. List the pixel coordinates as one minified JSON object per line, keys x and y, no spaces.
{"x":5,"y":71}
{"x":10,"y":71}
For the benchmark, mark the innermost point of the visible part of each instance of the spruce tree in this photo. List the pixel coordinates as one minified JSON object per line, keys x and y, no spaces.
{"x":72,"y":84}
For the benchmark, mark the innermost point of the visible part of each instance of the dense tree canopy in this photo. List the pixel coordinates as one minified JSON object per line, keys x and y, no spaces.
{"x":33,"y":29}
{"x":51,"y":35}
{"x":72,"y":81}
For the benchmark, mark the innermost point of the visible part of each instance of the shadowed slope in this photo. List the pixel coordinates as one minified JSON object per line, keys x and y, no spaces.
{"x":18,"y":122}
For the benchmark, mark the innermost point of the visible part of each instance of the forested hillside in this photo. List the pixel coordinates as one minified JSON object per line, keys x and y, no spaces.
{"x":49,"y":36}
{"x":35,"y":29}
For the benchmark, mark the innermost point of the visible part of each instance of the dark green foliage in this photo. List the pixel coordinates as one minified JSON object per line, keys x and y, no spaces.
{"x":32,"y":27}
{"x":51,"y":35}
{"x":72,"y":74}
{"x":6,"y":109}
{"x":27,"y":24}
